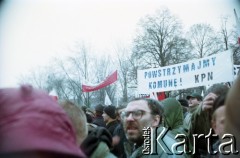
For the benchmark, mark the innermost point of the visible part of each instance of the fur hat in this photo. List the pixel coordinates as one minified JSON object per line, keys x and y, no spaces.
{"x":30,"y":120}
{"x":110,"y":111}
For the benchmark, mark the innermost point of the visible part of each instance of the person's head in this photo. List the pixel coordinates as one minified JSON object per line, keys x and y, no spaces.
{"x":220,"y":101}
{"x":78,"y":119}
{"x":32,"y":124}
{"x":218,"y":120}
{"x":173,"y":113}
{"x":217,"y":89}
{"x":218,"y":117}
{"x":99,"y":110}
{"x":109,"y":114}
{"x":194,"y":99}
{"x":140,"y":113}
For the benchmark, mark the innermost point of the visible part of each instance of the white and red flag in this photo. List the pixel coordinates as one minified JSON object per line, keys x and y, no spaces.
{"x":107,"y":100}
{"x":238,"y":25}
{"x":53,"y":94}
{"x":109,"y":80}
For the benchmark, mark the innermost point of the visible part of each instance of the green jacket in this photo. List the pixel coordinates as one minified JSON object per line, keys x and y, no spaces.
{"x":102,"y":151}
{"x":187,"y":120}
{"x":200,"y":123}
{"x":173,"y":116}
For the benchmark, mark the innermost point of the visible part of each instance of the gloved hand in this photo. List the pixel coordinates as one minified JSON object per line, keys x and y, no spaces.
{"x":99,"y":134}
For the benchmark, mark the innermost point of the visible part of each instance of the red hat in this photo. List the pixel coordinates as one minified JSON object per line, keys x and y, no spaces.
{"x":30,"y":120}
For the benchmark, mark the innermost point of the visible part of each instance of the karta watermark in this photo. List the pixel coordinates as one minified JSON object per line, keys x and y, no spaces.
{"x":152,"y":140}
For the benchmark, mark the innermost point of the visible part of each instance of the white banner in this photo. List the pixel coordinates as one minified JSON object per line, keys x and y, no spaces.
{"x":209,"y":70}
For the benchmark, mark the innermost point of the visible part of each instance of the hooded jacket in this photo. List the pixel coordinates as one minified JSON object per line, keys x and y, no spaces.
{"x":173,"y":116}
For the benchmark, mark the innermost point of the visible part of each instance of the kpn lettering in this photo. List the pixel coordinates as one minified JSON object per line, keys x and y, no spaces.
{"x":157,"y":140}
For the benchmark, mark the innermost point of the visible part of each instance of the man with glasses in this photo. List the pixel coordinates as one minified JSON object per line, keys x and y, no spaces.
{"x":140,"y":114}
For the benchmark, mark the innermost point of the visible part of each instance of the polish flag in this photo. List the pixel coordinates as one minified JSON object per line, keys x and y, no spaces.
{"x":109,"y":80}
{"x":153,"y":96}
{"x":157,"y":95}
{"x":107,"y":100}
{"x":53,"y":95}
{"x":161,"y":96}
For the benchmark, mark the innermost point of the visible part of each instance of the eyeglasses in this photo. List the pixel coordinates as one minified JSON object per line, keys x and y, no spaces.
{"x":135,"y":114}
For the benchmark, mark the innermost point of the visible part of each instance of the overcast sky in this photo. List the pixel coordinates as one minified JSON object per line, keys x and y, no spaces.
{"x":34,"y":31}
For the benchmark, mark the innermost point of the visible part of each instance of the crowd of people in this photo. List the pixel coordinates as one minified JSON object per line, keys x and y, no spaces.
{"x":34,"y":125}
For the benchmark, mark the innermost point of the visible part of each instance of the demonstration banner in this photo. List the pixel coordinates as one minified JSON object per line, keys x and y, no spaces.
{"x":209,"y":70}
{"x":109,"y":80}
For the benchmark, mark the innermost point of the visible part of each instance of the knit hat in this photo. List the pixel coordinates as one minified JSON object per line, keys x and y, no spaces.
{"x":30,"y":120}
{"x":110,"y":111}
{"x":99,"y":108}
{"x":194,"y":95}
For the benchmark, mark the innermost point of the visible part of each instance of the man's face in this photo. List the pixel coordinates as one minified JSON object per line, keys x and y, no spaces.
{"x":193,"y":101}
{"x":218,"y":123}
{"x":132,"y":126}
